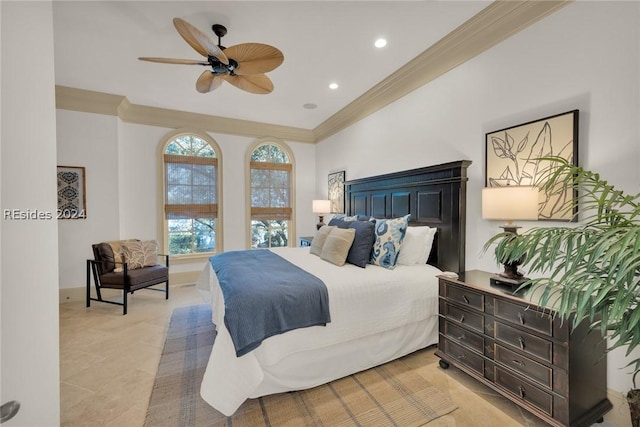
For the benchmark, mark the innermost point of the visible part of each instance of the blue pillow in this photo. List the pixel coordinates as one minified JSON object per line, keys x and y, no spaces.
{"x":389,"y":236}
{"x":360,"y":252}
{"x":340,"y":223}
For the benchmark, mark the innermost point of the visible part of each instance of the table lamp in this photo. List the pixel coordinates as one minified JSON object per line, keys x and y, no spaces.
{"x":509,"y":203}
{"x":321,"y":207}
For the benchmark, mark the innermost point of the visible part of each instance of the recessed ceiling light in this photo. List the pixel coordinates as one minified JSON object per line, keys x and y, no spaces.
{"x":333,"y":86}
{"x":380,"y":43}
{"x":309,"y":106}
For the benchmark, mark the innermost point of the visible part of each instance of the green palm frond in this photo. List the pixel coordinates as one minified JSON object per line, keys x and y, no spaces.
{"x":590,"y":270}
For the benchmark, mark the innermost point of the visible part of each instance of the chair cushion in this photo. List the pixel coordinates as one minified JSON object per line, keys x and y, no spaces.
{"x":137,"y":278}
{"x":103,"y":252}
{"x":116,"y":247}
{"x":138,"y":254}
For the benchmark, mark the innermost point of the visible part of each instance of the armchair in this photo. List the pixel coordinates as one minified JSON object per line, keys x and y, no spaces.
{"x":105,"y":274}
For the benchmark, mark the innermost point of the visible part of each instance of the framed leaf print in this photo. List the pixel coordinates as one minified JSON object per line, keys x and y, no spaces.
{"x":512,"y":158}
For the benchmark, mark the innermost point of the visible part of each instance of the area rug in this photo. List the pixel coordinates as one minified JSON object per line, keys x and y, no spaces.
{"x":388,"y":395}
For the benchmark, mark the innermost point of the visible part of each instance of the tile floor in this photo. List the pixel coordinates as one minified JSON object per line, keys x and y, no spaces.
{"x":108,"y":363}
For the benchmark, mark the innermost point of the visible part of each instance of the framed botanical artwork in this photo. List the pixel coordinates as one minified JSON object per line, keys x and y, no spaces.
{"x":72,"y":202}
{"x":512,"y":158}
{"x":336,"y":191}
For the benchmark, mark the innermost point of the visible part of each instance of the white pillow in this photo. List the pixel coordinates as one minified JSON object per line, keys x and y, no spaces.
{"x":416,"y":245}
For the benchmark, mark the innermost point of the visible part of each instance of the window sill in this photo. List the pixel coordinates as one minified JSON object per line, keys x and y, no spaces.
{"x":185,"y":259}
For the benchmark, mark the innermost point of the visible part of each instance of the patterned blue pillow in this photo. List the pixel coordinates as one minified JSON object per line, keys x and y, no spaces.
{"x":389,"y":236}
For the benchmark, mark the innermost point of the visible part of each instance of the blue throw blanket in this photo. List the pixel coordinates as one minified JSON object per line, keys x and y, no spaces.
{"x":266,"y":295}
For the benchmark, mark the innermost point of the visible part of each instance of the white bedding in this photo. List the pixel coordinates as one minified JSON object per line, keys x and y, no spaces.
{"x":376,"y":315}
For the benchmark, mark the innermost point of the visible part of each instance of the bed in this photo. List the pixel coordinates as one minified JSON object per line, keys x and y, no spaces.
{"x":377,"y":314}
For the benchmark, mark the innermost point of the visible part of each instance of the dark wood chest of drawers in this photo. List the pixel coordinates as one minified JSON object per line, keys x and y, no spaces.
{"x":522,"y":351}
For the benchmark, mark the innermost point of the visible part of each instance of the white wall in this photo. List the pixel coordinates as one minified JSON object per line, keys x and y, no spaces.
{"x":585,"y":56}
{"x":30,"y":361}
{"x":121,"y":161}
{"x":88,"y":140}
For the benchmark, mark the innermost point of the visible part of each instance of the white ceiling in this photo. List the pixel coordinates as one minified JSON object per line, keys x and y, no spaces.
{"x":96,"y":46}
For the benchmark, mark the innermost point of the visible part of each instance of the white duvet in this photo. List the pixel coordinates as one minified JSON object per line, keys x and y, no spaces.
{"x":363,"y":302}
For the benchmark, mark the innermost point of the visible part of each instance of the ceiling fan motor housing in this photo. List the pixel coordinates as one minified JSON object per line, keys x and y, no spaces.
{"x":220,"y":68}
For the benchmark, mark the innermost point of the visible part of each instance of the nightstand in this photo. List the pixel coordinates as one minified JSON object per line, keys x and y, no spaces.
{"x":305,"y":241}
{"x":522,"y":351}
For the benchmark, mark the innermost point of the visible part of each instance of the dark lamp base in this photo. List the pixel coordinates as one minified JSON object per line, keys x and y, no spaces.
{"x":500,"y":280}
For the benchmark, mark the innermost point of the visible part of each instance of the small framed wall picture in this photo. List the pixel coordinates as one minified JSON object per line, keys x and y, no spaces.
{"x":336,"y":191}
{"x":72,"y":197}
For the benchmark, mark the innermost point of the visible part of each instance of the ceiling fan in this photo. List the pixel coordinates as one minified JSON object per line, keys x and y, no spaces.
{"x":242,"y":65}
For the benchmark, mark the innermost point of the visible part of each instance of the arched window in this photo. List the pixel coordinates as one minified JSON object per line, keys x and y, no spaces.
{"x":191,"y":191}
{"x":271,"y":195}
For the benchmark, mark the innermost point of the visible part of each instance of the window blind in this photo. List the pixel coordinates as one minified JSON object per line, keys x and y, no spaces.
{"x":270,"y":191}
{"x":191,"y":187}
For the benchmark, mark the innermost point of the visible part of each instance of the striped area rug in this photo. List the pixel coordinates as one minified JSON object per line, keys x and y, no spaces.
{"x":388,"y":395}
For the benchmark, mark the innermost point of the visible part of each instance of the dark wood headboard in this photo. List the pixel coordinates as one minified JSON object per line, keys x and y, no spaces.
{"x":435,"y":196}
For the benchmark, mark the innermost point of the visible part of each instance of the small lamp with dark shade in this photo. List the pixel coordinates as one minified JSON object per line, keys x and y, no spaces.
{"x":509,"y":203}
{"x":321,"y":207}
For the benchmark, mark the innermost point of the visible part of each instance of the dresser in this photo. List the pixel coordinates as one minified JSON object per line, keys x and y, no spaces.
{"x":518,"y":349}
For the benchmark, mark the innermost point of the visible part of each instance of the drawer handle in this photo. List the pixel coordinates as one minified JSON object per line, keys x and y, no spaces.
{"x":460,"y":356}
{"x":521,"y":317}
{"x":464,"y":297}
{"x":521,"y":341}
{"x":462,"y":337}
{"x":517,"y":362}
{"x":521,"y":390}
{"x":462,"y":319}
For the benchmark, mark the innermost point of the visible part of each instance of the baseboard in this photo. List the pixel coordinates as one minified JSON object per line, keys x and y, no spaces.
{"x":184,"y":278}
{"x":79,"y":294}
{"x":619,"y":415}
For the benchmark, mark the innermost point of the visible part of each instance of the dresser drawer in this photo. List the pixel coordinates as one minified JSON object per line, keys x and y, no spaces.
{"x":524,"y":391}
{"x":533,"y":370}
{"x":468,"y":318}
{"x":463,"y":336}
{"x":523,"y":316}
{"x":465,"y":356}
{"x":510,"y":343}
{"x":464,"y":296}
{"x":527,"y":343}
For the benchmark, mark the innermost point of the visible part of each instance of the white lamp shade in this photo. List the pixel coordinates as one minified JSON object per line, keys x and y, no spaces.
{"x":321,"y":206}
{"x":510,"y":203}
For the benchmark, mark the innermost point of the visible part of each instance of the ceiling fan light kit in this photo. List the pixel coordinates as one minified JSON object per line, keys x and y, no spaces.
{"x":243,"y":65}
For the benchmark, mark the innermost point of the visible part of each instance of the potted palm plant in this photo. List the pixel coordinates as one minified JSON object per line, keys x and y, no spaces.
{"x":590,"y":270}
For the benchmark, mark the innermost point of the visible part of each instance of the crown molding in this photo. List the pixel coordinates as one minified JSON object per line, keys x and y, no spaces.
{"x":495,"y":23}
{"x":88,"y":101}
{"x":75,"y":99}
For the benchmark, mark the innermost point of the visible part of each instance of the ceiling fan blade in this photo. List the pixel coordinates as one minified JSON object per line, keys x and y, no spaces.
{"x":199,"y":40}
{"x":208,"y":81}
{"x":174,"y":61}
{"x":256,"y":83}
{"x":254,"y":58}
